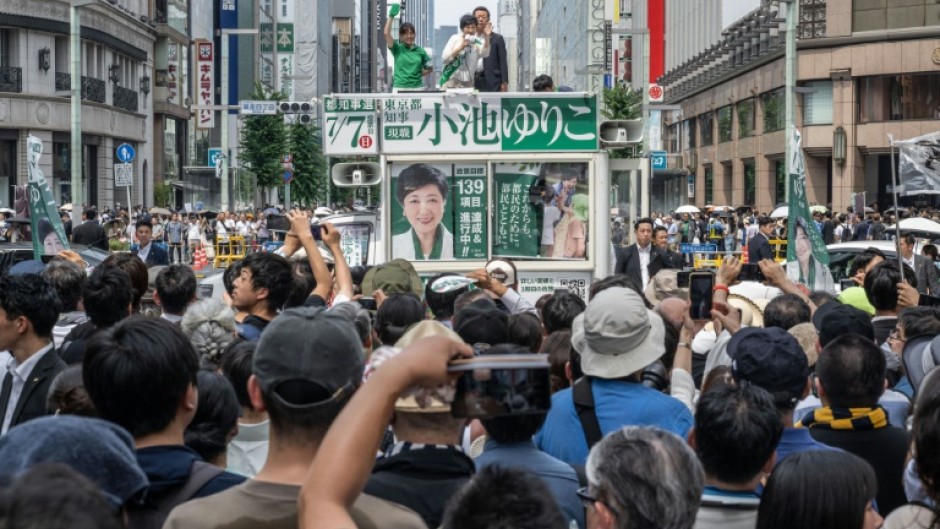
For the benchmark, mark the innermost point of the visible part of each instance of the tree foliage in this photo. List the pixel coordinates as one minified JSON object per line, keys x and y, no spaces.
{"x":622,"y":103}
{"x":310,"y":168}
{"x":264,"y":142}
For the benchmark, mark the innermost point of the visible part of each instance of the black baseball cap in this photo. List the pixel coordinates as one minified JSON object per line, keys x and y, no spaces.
{"x":309,"y":356}
{"x":833,"y":319}
{"x":772,"y":359}
{"x":482,"y":322}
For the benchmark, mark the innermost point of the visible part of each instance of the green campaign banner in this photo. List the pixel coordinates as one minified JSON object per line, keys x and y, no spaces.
{"x":454,"y":122}
{"x":542,"y":210}
{"x":438,"y":211}
{"x":517,"y":232}
{"x":48,"y":235}
{"x":807,"y":256}
{"x":533,"y":124}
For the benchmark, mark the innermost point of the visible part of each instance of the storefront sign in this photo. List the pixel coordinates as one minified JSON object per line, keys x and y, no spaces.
{"x":205,"y":91}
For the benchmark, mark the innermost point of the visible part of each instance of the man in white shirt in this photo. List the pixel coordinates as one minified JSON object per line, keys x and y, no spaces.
{"x":29,"y":308}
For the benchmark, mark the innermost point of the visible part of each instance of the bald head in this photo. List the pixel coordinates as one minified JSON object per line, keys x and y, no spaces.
{"x":672,"y":310}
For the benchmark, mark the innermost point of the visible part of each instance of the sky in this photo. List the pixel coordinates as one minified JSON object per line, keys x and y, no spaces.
{"x":446,"y":11}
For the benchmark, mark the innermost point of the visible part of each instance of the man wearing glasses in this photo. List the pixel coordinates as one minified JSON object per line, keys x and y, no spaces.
{"x":492,"y":72}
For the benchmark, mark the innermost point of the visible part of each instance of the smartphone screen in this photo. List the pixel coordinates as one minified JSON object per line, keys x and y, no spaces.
{"x":701,"y":287}
{"x":367,"y":303}
{"x":751,"y":272}
{"x":486,"y":390}
{"x":315,"y":229}
{"x":682,"y":279}
{"x":847,"y":283}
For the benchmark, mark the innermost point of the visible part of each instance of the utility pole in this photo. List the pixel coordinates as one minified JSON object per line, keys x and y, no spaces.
{"x":793,"y":12}
{"x":226,"y":34}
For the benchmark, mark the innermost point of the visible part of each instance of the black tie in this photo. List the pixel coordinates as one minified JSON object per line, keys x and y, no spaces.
{"x":5,"y":396}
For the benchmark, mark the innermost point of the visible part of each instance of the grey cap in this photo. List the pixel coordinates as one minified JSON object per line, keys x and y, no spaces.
{"x":308,"y":356}
{"x":617,"y":335}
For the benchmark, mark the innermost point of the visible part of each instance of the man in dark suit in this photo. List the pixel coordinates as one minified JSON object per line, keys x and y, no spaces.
{"x":634,"y":260}
{"x":924,"y":269}
{"x":758,"y":248}
{"x":89,"y":232}
{"x":29,"y":308}
{"x":493,"y":75}
{"x":150,"y":253}
{"x":665,"y":258}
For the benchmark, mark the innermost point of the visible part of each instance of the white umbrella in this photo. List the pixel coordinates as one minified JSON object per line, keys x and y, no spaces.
{"x":818,"y":208}
{"x":722,"y":208}
{"x":687,"y":209}
{"x":781,"y":212}
{"x":918,"y":225}
{"x":7,"y":211}
{"x":159,"y":211}
{"x":66,"y":207}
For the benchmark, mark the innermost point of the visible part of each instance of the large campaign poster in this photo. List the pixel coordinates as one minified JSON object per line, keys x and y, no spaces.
{"x":541,"y":210}
{"x":438,"y":211}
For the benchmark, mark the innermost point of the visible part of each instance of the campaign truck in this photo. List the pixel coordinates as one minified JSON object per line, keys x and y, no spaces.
{"x":466,"y":177}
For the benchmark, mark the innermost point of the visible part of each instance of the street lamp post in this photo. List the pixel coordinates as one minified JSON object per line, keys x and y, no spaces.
{"x":75,"y":74}
{"x":226,"y":35}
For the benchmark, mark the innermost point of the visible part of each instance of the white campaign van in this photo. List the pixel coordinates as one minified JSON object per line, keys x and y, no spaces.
{"x":467,"y":177}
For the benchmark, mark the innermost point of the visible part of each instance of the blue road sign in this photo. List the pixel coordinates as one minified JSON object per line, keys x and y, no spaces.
{"x":200,"y":206}
{"x":658,"y":158}
{"x":125,"y":153}
{"x":288,"y":176}
{"x":698,"y":248}
{"x":214,"y":154}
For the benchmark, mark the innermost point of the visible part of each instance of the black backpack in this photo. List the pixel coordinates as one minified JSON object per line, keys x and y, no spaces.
{"x":153,"y":514}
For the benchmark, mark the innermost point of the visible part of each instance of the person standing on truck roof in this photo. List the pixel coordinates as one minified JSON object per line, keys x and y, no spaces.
{"x":422,"y":193}
{"x":411,"y":61}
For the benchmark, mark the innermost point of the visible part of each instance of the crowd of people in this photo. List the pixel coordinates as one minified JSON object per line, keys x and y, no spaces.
{"x":318,"y":395}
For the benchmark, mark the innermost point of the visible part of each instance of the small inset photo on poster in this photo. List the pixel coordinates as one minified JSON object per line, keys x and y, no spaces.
{"x":542,"y":210}
{"x":438,"y":211}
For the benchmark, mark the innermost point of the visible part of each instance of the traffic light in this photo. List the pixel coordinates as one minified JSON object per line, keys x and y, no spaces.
{"x":297,"y":112}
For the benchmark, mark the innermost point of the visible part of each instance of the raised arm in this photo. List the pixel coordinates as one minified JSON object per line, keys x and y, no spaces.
{"x":331,"y":238}
{"x":346,"y":455}
{"x":387,"y":31}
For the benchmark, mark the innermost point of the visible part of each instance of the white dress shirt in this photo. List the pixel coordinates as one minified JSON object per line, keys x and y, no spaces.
{"x":21,"y":373}
{"x":143,"y":252}
{"x":644,"y":254}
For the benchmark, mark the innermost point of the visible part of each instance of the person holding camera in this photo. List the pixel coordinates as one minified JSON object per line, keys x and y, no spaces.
{"x":617,"y":337}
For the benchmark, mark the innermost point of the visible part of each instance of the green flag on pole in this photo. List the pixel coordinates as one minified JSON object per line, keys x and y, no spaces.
{"x":48,"y":235}
{"x":807,"y":256}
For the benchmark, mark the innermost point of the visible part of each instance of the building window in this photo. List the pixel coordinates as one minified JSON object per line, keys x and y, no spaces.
{"x":707,"y":126}
{"x":817,"y":105}
{"x":709,"y":185}
{"x":724,"y":124}
{"x":879,"y":15}
{"x":672,"y":138}
{"x":688,"y":134}
{"x":6,"y":42}
{"x":812,"y":19}
{"x":750,"y":183}
{"x":745,"y":110}
{"x":899,"y":97}
{"x":774,"y":106}
{"x":780,"y":181}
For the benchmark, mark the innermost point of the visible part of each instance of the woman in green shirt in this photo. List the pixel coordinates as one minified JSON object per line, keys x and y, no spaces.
{"x":411,"y":62}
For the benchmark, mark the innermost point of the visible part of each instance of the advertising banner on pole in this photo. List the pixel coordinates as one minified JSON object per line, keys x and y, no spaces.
{"x":807,"y":257}
{"x":48,"y":235}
